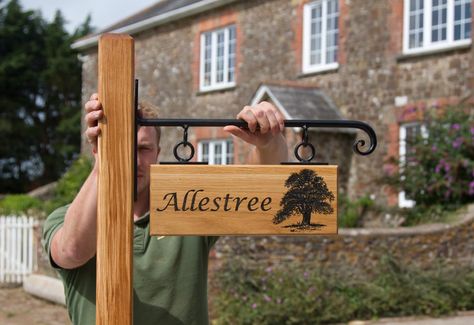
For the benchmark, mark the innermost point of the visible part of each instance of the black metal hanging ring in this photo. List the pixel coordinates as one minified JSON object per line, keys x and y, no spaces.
{"x":305,"y":144}
{"x":184,"y":144}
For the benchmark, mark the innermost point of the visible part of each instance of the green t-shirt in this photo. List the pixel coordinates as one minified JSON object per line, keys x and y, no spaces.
{"x":169,"y":277}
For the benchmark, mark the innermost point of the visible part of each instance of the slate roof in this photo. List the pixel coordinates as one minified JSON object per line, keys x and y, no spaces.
{"x":158,"y":8}
{"x":300,"y":102}
{"x":162,"y":12}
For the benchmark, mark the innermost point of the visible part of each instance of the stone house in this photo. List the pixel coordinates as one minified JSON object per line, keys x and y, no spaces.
{"x":379,"y":61}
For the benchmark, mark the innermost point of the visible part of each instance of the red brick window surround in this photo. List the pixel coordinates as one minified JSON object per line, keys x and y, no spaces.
{"x":320,"y":40}
{"x":431,"y":25}
{"x":216,"y":52}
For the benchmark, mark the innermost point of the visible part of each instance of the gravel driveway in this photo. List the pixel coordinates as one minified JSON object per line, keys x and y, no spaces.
{"x":19,"y":308}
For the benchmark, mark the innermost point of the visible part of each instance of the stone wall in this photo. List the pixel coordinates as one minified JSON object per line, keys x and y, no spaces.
{"x":372,"y":73}
{"x":359,"y":250}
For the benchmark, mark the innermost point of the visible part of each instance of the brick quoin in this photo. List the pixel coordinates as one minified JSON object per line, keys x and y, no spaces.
{"x":395,"y":25}
{"x":209,"y":23}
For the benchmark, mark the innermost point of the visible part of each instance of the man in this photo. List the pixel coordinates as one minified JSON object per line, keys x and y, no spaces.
{"x":170,"y":273}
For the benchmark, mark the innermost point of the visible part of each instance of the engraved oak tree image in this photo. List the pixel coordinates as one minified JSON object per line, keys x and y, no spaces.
{"x":307,"y":194}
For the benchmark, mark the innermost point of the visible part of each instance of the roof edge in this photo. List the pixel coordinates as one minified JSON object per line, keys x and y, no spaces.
{"x":164,"y":18}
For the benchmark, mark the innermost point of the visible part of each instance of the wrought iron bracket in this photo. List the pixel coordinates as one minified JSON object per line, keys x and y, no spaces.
{"x":304,"y":124}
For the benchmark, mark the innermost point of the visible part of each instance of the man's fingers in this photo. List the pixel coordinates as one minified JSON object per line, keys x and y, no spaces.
{"x":94,"y":96}
{"x":92,"y":133}
{"x":272,"y":119}
{"x":281,"y":120}
{"x":238,"y":132}
{"x":248,"y":116}
{"x":262,"y":119}
{"x":93,"y":105}
{"x":93,"y":117}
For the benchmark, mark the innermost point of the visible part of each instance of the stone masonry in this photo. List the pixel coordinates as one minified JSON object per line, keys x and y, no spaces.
{"x":372,"y":73}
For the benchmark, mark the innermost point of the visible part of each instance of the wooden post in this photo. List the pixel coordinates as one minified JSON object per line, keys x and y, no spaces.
{"x":114,"y":300}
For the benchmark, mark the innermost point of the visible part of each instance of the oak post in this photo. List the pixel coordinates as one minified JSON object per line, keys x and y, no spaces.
{"x":114,"y":289}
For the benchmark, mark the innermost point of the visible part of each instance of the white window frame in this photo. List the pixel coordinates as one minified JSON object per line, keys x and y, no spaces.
{"x":428,"y":45}
{"x":214,"y":85}
{"x":403,"y":201}
{"x":212,"y":144}
{"x":307,"y":66}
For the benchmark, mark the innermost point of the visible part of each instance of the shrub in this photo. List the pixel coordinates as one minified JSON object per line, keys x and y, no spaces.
{"x":351,"y":213}
{"x":304,"y":295}
{"x":67,"y":188}
{"x":70,"y":183}
{"x":20,"y":204}
{"x":438,"y":173}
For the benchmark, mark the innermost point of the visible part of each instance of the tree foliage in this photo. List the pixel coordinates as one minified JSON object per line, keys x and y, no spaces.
{"x":307,"y":193}
{"x":40,"y":96}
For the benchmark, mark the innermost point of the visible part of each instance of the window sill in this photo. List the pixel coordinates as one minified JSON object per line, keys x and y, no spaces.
{"x":428,"y":52}
{"x":325,"y":70}
{"x":216,"y":90}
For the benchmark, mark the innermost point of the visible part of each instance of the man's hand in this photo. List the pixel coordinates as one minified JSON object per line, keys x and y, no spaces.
{"x":93,"y":114}
{"x":265,"y":128}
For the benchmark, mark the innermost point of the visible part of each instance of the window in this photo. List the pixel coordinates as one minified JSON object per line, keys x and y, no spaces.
{"x":320,"y":35}
{"x":436,"y":24}
{"x":218,"y":49}
{"x":216,"y":152}
{"x":408,"y":134}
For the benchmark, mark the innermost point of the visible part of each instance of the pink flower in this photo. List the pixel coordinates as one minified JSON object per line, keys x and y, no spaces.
{"x":471,"y":188}
{"x":457,"y":143}
{"x":254,"y":306}
{"x":455,"y":126}
{"x":267,"y":298}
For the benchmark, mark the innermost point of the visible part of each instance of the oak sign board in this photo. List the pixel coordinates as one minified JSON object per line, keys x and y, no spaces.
{"x":243,"y":200}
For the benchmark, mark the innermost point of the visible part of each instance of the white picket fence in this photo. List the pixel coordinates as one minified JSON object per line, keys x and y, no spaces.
{"x":17,"y":248}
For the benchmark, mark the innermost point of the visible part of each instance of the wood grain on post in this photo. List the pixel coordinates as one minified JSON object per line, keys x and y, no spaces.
{"x":114,"y":300}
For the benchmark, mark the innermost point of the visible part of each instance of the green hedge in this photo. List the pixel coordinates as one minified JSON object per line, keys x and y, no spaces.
{"x":67,"y":188}
{"x":70,"y":184}
{"x":19,"y":204}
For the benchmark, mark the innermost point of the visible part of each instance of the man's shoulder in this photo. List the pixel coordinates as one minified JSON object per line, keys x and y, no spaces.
{"x":52,"y":224}
{"x":56,"y":216}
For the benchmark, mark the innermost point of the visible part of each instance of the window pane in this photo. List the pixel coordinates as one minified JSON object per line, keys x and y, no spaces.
{"x":231,"y":54}
{"x":230,"y":152}
{"x":439,"y":12}
{"x":205,"y":151}
{"x":332,"y":33}
{"x":315,"y":35}
{"x":207,"y":58}
{"x":457,"y":32}
{"x":323,"y":32}
{"x":220,"y":57}
{"x":219,"y":68}
{"x":413,"y":132}
{"x":415,"y":28}
{"x":217,"y":153}
{"x":462,"y":19}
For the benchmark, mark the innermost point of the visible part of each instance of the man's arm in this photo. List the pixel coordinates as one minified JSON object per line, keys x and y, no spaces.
{"x":75,"y":242}
{"x":265,"y":132}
